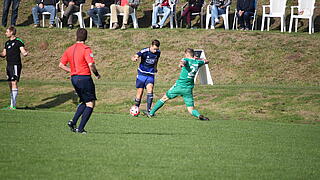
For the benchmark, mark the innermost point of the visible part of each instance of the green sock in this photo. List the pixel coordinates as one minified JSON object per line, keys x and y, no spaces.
{"x":195,"y":113}
{"x":157,"y":106}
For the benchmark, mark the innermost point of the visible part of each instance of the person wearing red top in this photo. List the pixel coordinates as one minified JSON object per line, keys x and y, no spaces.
{"x":122,"y":6}
{"x":161,"y":6}
{"x":81,"y":62}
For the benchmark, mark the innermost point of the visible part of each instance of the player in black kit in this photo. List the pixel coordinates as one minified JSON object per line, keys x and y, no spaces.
{"x":13,"y":48}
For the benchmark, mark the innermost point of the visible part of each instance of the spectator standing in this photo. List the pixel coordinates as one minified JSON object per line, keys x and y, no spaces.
{"x":5,"y":11}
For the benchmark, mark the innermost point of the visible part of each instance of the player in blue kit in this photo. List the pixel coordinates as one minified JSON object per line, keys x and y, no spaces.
{"x":146,"y":71}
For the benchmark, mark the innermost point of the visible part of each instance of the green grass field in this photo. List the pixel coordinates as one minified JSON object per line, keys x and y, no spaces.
{"x":38,"y":145}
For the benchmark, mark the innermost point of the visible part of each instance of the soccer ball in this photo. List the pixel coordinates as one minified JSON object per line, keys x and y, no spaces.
{"x":134,"y":111}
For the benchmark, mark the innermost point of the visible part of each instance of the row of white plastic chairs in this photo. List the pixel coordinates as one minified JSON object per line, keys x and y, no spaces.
{"x":276,"y":9}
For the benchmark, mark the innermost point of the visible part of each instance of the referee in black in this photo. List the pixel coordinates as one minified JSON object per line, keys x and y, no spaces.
{"x":13,"y":48}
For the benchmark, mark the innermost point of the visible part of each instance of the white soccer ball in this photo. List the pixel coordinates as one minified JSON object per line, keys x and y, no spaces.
{"x":134,"y":111}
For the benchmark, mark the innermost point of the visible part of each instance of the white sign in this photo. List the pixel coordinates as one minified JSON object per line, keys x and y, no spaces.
{"x":204,"y":71}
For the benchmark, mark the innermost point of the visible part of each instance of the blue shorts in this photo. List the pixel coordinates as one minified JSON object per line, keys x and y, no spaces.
{"x":143,"y":80}
{"x":84,"y":87}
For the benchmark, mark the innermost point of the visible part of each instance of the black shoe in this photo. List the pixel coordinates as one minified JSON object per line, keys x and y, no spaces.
{"x":202,"y":118}
{"x":146,"y":113}
{"x":71,"y":126}
{"x":156,"y":26}
{"x":70,"y":26}
{"x":81,"y":132}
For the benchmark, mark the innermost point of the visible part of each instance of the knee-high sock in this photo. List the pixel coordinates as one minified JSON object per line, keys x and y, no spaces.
{"x":11,"y":101}
{"x":14,"y":93}
{"x":78,"y":113}
{"x":195,"y":113}
{"x":85,"y":118}
{"x":157,"y":106}
{"x":149,"y":101}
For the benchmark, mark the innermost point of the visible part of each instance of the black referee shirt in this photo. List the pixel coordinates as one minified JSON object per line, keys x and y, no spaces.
{"x":13,"y":51}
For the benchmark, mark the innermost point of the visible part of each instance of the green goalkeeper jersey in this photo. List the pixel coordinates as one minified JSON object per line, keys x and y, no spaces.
{"x":188,"y":72}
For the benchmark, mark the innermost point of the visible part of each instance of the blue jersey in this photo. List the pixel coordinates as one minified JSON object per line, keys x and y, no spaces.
{"x":148,"y":62}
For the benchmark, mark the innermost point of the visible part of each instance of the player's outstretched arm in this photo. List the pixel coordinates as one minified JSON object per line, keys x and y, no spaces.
{"x":64,"y":67}
{"x":94,"y":70}
{"x":4,"y":53}
{"x":135,"y":58}
{"x":24,"y":52}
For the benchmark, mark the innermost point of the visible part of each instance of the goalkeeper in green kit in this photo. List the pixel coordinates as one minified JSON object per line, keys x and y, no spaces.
{"x":184,"y":85}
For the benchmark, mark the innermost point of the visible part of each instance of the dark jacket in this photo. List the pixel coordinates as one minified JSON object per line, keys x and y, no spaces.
{"x":246,"y":5}
{"x":76,"y":2}
{"x":196,"y":3}
{"x":107,"y":3}
{"x":47,"y":2}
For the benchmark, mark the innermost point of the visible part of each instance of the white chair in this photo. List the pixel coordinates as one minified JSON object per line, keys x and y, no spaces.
{"x":201,"y":13}
{"x":224,"y":16}
{"x":47,"y":13}
{"x":307,"y":7}
{"x":133,"y":16}
{"x":78,"y":14}
{"x":254,"y":22}
{"x":277,"y":9}
{"x":172,"y":14}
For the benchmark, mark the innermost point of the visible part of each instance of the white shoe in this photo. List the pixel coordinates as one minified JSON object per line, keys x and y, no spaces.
{"x":216,"y":20}
{"x":212,"y":27}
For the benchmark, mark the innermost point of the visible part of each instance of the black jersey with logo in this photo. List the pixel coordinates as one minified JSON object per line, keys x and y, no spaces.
{"x":13,"y":51}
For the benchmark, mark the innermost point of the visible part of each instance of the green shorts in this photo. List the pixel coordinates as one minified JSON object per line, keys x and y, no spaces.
{"x":186,"y":94}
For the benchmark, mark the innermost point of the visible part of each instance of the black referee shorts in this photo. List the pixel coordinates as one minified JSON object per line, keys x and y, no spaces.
{"x":13,"y":72}
{"x":84,"y":87}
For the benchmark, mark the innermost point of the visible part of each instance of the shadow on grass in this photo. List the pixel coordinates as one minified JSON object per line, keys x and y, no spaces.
{"x":3,"y":80}
{"x":142,"y":133}
{"x":55,"y":101}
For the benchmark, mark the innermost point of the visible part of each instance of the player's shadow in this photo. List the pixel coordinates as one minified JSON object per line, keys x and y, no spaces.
{"x":27,"y":22}
{"x":58,"y":100}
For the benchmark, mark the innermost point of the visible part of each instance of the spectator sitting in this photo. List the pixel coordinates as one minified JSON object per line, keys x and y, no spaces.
{"x":72,"y":7}
{"x":161,"y":6}
{"x":122,"y":6}
{"x":44,"y":6}
{"x":5,"y":12}
{"x":101,"y":7}
{"x":194,"y":6}
{"x":218,"y":7}
{"x":245,"y":9}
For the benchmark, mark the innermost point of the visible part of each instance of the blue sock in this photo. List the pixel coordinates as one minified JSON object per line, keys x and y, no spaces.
{"x":149,"y":101}
{"x":85,"y":118}
{"x":78,"y":113}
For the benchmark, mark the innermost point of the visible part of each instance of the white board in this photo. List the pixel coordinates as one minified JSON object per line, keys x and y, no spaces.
{"x":204,"y":71}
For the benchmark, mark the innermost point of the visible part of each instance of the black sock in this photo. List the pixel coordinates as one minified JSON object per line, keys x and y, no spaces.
{"x":149,"y":101}
{"x":78,"y":113}
{"x":85,"y":117}
{"x":137,"y":102}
